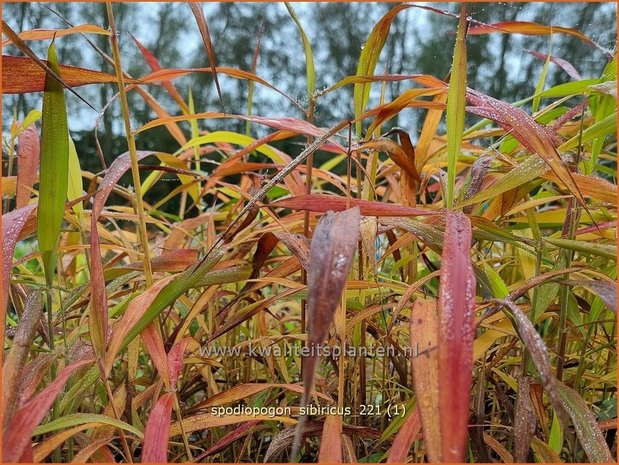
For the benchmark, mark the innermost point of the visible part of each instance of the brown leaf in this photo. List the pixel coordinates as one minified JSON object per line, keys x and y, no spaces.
{"x":298,"y":245}
{"x":12,"y":370}
{"x":539,"y":353}
{"x":331,"y":255}
{"x":524,"y":420}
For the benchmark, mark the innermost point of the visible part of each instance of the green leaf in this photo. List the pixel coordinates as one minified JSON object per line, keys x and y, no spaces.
{"x":76,"y":419}
{"x":456,"y":104}
{"x":601,"y":129}
{"x":369,"y":58}
{"x":74,"y":189}
{"x":608,"y":251}
{"x":172,"y":291}
{"x":309,"y":56}
{"x":54,"y":175}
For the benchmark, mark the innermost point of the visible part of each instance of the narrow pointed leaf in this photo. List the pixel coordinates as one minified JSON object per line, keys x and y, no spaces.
{"x":424,"y":345}
{"x":409,"y":432}
{"x":28,"y":158}
{"x":54,"y":175}
{"x":589,"y":434}
{"x":21,"y":75}
{"x":156,"y":434}
{"x":331,"y":255}
{"x":457,"y":333}
{"x":527,"y":28}
{"x":196,"y":9}
{"x":20,"y":430}
{"x":331,"y":440}
{"x":44,"y":34}
{"x":307,"y":48}
{"x":323,"y":203}
{"x":456,"y":103}
{"x":13,"y":226}
{"x":524,"y":420}
{"x":369,"y":58}
{"x":13,"y":367}
{"x":539,"y":353}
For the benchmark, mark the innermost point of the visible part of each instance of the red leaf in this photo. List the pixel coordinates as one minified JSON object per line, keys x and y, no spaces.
{"x":535,"y":137}
{"x":98,"y":317}
{"x":18,"y":434}
{"x":154,"y":344}
{"x":21,"y":75}
{"x":232,"y":436}
{"x":175,"y":361}
{"x":456,"y":336}
{"x":560,"y":62}
{"x":323,"y":202}
{"x":28,"y":158}
{"x":153,"y":62}
{"x":409,"y":432}
{"x":157,"y":432}
{"x":13,"y":224}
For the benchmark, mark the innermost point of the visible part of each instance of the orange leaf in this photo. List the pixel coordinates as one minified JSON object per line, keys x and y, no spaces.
{"x":424,"y":340}
{"x":331,"y":440}
{"x":409,"y":432}
{"x":21,"y":75}
{"x":527,"y":28}
{"x":44,"y":34}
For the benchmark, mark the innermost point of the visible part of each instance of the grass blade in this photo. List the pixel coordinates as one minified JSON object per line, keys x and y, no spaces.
{"x":424,"y":341}
{"x":21,"y":75}
{"x":457,"y":332}
{"x":528,"y":28}
{"x":13,"y":225}
{"x":331,"y":440}
{"x":18,"y":434}
{"x":524,"y":421}
{"x":408,"y":433}
{"x":331,"y":255}
{"x":196,"y":9}
{"x":12,"y":369}
{"x":539,"y":354}
{"x":28,"y":159}
{"x":54,"y":176}
{"x":369,"y":58}
{"x":155,"y":446}
{"x":323,"y":203}
{"x":309,"y":56}
{"x":456,"y":103}
{"x":536,"y":138}
{"x":589,"y":434}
